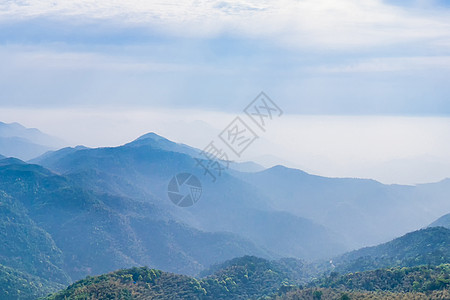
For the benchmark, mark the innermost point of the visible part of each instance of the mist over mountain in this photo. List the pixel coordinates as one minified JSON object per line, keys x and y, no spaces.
{"x":143,"y":168}
{"x":25,"y":143}
{"x":364,"y":211}
{"x":356,"y":212}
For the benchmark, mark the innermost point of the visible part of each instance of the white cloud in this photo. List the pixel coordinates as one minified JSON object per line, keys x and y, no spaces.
{"x":299,"y":23}
{"x":389,"y":64}
{"x":35,"y":58}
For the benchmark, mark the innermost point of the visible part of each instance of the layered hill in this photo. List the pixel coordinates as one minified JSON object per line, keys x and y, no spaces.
{"x":25,"y":143}
{"x":254,"y":278}
{"x":286,"y":211}
{"x":56,"y":230}
{"x":428,"y":246}
{"x":142,"y":169}
{"x":365,"y":212}
{"x":242,"y":278}
{"x":81,"y":211}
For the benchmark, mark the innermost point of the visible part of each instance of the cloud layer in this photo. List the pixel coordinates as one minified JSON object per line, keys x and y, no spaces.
{"x":343,"y":24}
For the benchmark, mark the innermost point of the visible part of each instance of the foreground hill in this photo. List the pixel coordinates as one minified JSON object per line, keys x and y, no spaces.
{"x":399,"y":279}
{"x":254,"y":278}
{"x":243,"y":278}
{"x":428,"y":246}
{"x":424,"y":282}
{"x":328,"y":293}
{"x":135,"y":283}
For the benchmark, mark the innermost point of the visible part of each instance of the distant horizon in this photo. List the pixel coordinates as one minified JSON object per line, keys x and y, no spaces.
{"x":390,"y":149}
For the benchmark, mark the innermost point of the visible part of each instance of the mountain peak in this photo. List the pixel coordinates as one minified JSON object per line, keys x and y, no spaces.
{"x":151,"y":135}
{"x":283,"y":169}
{"x":10,"y":161}
{"x":14,"y":124}
{"x":154,"y":140}
{"x":151,"y":139}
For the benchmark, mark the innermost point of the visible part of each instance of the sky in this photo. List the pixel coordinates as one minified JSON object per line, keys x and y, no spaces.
{"x":363,"y":84}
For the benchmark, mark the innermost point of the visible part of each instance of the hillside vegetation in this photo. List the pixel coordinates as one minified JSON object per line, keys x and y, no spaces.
{"x":253,"y":278}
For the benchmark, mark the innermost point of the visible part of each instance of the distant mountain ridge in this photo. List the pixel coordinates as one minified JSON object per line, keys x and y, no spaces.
{"x":160,"y":142}
{"x":157,"y":141}
{"x":25,"y":143}
{"x":360,"y":212}
{"x":443,"y":221}
{"x":364,"y":211}
{"x":143,"y":168}
{"x":254,"y":278}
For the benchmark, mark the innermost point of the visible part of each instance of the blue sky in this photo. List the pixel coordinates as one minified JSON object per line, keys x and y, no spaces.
{"x":317,"y":57}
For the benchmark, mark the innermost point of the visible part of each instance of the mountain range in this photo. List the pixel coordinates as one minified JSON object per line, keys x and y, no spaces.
{"x":25,"y":143}
{"x":381,"y":212}
{"x":86,"y":211}
{"x":142,"y":169}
